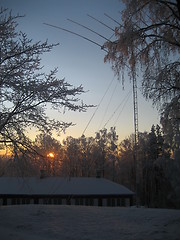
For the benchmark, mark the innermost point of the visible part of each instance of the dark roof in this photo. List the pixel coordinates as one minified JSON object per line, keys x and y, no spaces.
{"x":61,"y":186}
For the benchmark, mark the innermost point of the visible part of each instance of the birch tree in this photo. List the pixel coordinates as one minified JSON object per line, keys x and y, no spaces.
{"x":148,"y":44}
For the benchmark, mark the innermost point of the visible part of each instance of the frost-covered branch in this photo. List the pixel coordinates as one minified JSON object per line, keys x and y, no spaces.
{"x":26,"y":90}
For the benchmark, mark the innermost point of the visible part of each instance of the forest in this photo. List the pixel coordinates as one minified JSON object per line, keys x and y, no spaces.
{"x":158,"y":163}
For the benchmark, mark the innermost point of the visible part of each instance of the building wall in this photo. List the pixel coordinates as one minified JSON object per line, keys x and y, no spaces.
{"x":69,"y":200}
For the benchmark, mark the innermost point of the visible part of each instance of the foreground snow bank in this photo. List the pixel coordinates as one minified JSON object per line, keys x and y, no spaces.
{"x":37,"y":222}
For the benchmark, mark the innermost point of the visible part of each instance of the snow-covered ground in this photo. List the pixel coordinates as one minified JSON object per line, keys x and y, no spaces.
{"x":48,"y":222}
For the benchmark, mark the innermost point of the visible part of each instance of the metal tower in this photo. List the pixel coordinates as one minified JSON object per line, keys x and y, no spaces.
{"x":136,"y":162}
{"x":135,"y":103}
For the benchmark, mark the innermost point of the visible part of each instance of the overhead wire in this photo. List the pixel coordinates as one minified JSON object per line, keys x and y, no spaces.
{"x":107,"y":107}
{"x":89,"y":29}
{"x":76,"y":34}
{"x":100,"y":22}
{"x":98,"y":106}
{"x":128,"y":96}
{"x":116,"y":109}
{"x":111,"y":18}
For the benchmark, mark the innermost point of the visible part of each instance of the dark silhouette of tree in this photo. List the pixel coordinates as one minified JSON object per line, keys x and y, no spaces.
{"x":25,"y":90}
{"x":49,"y":157}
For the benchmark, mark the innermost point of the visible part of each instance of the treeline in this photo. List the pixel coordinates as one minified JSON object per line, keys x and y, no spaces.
{"x":158,"y":164}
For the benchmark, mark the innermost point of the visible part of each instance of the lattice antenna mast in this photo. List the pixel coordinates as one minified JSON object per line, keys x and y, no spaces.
{"x":135,"y":103}
{"x":136,"y":130}
{"x":136,"y":137}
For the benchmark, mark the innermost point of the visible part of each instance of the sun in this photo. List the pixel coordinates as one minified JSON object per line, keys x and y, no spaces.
{"x":51,"y":155}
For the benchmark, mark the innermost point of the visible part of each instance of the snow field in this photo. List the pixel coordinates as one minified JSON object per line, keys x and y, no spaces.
{"x":48,"y":222}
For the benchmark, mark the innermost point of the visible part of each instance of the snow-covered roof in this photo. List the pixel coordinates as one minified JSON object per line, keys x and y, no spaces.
{"x":61,"y":186}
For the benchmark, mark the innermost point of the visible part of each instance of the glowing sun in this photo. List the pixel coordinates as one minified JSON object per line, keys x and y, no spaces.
{"x":51,"y":155}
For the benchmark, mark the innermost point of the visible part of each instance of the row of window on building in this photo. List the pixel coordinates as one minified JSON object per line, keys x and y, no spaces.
{"x":68,"y":201}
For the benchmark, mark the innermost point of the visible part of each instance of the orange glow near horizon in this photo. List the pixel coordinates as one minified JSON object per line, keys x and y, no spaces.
{"x":51,"y":155}
{"x":5,"y":152}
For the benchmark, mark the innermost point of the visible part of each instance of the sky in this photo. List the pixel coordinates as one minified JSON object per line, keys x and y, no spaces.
{"x":81,"y":62}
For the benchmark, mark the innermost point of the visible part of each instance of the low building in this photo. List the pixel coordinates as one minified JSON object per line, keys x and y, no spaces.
{"x":66,"y":191}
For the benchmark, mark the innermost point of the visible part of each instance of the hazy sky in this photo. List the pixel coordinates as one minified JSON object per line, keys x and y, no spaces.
{"x":81,"y":62}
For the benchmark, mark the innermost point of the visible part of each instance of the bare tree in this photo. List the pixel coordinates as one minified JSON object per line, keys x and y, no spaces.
{"x":25,"y":90}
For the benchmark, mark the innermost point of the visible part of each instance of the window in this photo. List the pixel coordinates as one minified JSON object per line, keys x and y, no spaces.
{"x":113,"y":202}
{"x":45,"y":201}
{"x":4,"y":201}
{"x":123,"y":202}
{"x":81,"y":201}
{"x":68,"y":200}
{"x":18,"y":201}
{"x":109,"y":202}
{"x":87,"y":201}
{"x":118,"y":202}
{"x":13,"y":201}
{"x":77,"y":201}
{"x":100,"y":202}
{"x":91,"y":202}
{"x":36,"y":201}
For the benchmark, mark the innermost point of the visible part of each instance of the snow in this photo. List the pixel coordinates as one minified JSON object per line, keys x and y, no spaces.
{"x":50,"y":222}
{"x":60,"y":185}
